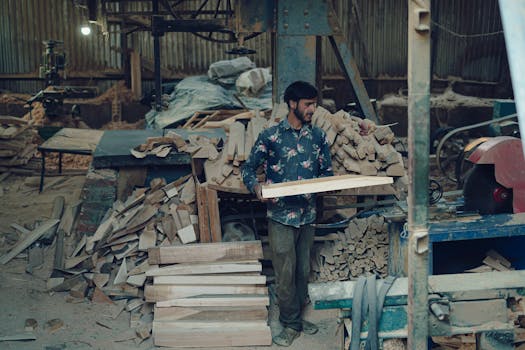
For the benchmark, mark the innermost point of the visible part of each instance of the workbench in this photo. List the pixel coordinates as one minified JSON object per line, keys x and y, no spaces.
{"x":113,"y":150}
{"x":68,"y":140}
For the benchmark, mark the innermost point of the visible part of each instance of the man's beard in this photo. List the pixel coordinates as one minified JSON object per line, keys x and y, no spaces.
{"x":301,"y":117}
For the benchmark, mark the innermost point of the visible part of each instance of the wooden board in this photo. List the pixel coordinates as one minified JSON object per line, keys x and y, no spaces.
{"x":178,"y":313}
{"x":214,"y":215}
{"x":203,"y":269}
{"x":154,"y":293}
{"x":211,"y":334}
{"x":218,"y":301}
{"x":322,"y":184}
{"x":206,"y":252}
{"x":210,"y":279}
{"x":28,"y":240}
{"x":202,"y":210}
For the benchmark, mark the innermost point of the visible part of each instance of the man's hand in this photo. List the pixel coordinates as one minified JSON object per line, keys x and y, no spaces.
{"x":258,"y":192}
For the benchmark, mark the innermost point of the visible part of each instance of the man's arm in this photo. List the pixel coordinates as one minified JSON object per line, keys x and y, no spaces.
{"x":258,"y":155}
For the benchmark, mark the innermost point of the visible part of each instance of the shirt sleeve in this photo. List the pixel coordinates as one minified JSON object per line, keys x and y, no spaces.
{"x":258,"y":156}
{"x":325,"y":157}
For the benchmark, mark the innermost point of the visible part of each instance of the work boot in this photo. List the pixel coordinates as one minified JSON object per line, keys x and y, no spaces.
{"x":286,"y":337}
{"x":309,"y":327}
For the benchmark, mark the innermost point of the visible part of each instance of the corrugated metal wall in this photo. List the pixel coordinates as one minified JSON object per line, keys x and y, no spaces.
{"x":26,"y":23}
{"x":377,"y":30}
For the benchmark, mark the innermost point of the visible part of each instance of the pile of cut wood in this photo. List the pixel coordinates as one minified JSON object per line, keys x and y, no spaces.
{"x":361,"y":248}
{"x":209,"y":295}
{"x":113,"y":261}
{"x":18,"y":142}
{"x":358,"y":145}
{"x":224,"y":173}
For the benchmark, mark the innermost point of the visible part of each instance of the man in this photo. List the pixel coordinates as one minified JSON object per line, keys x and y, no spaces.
{"x":291,"y":150}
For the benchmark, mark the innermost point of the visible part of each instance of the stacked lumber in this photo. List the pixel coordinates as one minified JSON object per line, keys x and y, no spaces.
{"x":361,"y":248}
{"x":493,"y":261}
{"x":359,"y":146}
{"x":209,"y":295}
{"x":17,"y":142}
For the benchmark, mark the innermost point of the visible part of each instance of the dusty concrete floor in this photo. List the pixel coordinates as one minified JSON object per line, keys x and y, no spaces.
{"x":24,"y":296}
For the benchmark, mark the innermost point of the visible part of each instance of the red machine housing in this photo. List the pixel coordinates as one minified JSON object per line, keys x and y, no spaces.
{"x":506,"y":153}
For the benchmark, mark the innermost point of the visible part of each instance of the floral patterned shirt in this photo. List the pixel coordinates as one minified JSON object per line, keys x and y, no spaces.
{"x":288,"y":155}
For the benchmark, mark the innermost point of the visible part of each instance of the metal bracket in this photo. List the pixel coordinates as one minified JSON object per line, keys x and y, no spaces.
{"x":422,"y":23}
{"x":421,"y":237}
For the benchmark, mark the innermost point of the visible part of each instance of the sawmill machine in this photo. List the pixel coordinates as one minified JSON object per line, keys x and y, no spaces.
{"x":52,"y":71}
{"x":490,"y":169}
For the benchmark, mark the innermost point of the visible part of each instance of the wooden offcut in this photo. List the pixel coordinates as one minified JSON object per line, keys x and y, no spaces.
{"x":214,"y":215}
{"x":206,"y":252}
{"x":322,"y":184}
{"x":28,"y":240}
{"x":202,"y":208}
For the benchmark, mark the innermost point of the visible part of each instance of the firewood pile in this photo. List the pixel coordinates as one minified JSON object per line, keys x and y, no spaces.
{"x":358,"y":146}
{"x":361,"y":248}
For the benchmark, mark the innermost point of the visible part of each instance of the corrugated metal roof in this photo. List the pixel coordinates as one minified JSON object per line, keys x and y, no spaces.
{"x":377,"y":32}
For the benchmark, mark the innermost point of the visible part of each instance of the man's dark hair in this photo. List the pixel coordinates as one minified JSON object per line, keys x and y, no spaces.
{"x":299,"y":90}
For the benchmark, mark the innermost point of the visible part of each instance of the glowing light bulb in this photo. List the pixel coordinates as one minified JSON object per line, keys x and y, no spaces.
{"x":85,"y":30}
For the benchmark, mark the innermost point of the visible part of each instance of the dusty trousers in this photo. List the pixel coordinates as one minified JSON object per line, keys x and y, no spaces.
{"x":291,"y":262}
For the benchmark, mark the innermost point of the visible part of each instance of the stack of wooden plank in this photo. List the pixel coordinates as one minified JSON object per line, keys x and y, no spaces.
{"x":361,"y":248}
{"x":359,"y":146}
{"x":17,"y":142}
{"x":209,"y":295}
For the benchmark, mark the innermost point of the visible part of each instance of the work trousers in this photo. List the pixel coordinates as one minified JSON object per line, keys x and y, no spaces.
{"x":291,"y":262}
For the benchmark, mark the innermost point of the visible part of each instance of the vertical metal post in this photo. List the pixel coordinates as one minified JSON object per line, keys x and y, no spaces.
{"x":512,"y":13}
{"x":156,"y":57}
{"x":418,"y":149}
{"x":295,"y":45}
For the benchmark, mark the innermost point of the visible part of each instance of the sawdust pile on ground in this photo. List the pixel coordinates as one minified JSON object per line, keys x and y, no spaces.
{"x":69,"y":161}
{"x":118,"y":90}
{"x":37,"y":114}
{"x":14,"y":98}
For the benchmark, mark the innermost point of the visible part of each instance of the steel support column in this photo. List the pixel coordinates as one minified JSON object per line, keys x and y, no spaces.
{"x":512,"y":14}
{"x":156,"y":57}
{"x":295,"y":45}
{"x":418,"y":149}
